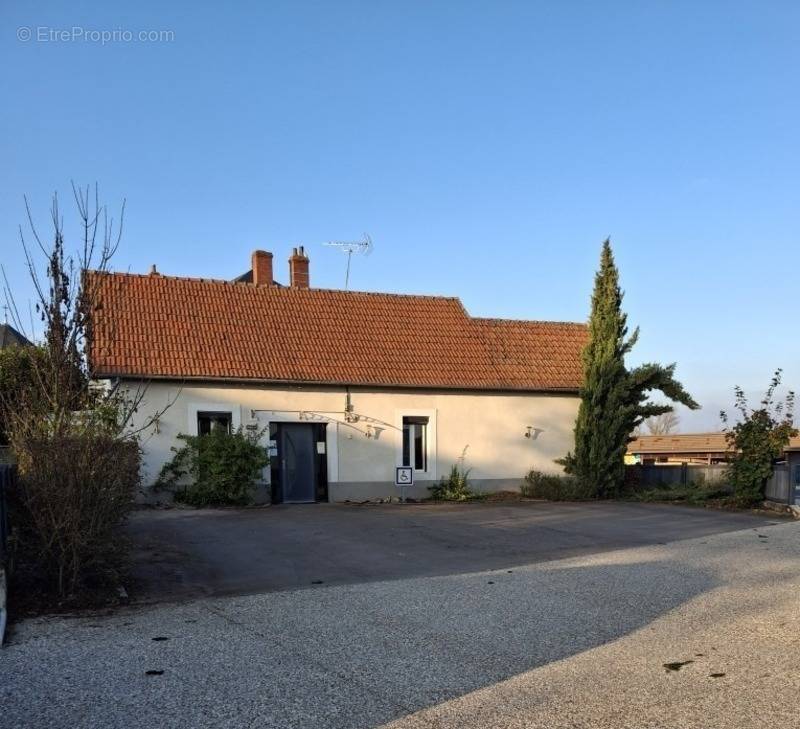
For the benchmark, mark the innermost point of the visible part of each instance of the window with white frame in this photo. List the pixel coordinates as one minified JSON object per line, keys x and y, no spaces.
{"x":415,"y":442}
{"x":208,"y":421}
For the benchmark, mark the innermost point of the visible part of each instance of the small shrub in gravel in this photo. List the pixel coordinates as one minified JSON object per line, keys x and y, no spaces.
{"x":453,"y":488}
{"x":693,"y":493}
{"x":552,"y":486}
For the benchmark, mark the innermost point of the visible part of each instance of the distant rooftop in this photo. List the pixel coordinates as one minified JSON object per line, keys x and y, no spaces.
{"x":10,"y":336}
{"x":686,"y":443}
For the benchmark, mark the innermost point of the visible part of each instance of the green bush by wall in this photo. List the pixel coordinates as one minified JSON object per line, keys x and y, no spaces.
{"x":221,"y":468}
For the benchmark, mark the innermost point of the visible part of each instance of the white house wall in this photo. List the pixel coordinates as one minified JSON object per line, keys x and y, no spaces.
{"x":491,"y":427}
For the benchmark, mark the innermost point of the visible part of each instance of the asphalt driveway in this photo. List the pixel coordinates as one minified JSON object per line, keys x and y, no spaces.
{"x":191,"y":553}
{"x":692,"y":634}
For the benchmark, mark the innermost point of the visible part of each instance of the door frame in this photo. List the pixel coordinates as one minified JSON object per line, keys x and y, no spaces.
{"x":331,"y":437}
{"x":320,"y":466}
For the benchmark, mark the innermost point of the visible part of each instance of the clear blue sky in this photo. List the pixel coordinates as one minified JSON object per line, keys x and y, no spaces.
{"x":488,"y":148}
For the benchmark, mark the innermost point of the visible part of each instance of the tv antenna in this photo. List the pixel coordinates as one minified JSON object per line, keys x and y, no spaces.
{"x":359,"y":247}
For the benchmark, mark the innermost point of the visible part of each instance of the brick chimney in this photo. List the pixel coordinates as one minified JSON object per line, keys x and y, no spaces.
{"x":298,"y":269}
{"x":261,"y":262}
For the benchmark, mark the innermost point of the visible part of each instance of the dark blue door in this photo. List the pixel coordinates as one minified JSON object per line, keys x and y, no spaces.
{"x":297,"y":466}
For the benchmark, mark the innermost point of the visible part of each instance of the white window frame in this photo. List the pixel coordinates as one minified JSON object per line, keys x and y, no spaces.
{"x":214,"y":407}
{"x":226,"y":414}
{"x":428,"y":474}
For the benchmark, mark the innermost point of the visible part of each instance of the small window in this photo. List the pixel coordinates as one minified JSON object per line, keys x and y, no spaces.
{"x":415,"y":443}
{"x":208,"y":421}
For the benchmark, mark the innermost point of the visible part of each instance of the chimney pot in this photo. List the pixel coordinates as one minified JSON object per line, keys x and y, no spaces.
{"x":299,"y":277}
{"x":261,"y":262}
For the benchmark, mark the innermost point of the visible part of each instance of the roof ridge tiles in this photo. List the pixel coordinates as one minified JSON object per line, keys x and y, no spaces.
{"x":251,"y":285}
{"x":548,"y":322}
{"x":164,"y":325}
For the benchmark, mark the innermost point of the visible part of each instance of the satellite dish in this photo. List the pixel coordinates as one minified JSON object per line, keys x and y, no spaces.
{"x":359,"y":247}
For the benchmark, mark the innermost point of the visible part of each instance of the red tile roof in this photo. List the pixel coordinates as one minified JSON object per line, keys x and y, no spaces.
{"x":183,"y":328}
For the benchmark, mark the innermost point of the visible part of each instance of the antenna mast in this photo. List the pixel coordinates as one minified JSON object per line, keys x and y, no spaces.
{"x":363,"y":247}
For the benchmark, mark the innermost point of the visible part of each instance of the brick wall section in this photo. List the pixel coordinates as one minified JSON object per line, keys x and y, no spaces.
{"x":298,"y":269}
{"x":261,"y":262}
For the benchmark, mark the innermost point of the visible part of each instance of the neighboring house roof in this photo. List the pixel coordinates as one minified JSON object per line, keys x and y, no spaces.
{"x":10,"y":336}
{"x":185,"y":328}
{"x":687,"y":443}
{"x":679,"y":444}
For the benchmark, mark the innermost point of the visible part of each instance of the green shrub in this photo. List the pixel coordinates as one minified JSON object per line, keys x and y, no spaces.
{"x":17,"y":379}
{"x":693,"y":493}
{"x":222,"y":467}
{"x":453,"y":488}
{"x":757,"y":440}
{"x":552,"y":486}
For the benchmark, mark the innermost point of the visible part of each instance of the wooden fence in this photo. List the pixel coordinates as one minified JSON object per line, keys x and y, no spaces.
{"x":679,"y":475}
{"x":778,"y":487}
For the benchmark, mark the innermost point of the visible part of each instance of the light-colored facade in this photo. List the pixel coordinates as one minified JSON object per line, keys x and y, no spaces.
{"x":343,"y":387}
{"x":498,"y":436}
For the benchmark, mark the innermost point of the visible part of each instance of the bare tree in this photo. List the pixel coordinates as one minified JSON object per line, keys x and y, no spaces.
{"x":66,"y":301}
{"x":663,"y":424}
{"x":77,"y":453}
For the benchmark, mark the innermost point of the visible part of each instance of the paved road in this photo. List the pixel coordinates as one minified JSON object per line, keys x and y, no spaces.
{"x":579,"y":642}
{"x":194,"y":553}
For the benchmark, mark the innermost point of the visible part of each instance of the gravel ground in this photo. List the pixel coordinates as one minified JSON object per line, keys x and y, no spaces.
{"x":579,"y":642}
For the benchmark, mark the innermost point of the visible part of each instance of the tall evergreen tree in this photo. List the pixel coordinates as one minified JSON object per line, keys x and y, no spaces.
{"x":614,"y":400}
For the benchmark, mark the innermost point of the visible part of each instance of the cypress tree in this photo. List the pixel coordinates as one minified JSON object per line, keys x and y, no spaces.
{"x":614,"y":400}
